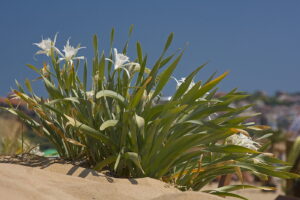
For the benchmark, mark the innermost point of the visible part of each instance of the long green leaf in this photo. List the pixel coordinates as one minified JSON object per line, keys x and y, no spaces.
{"x":231,"y":149}
{"x":134,"y":157}
{"x":230,"y":188}
{"x":90,"y":131}
{"x":227,"y":194}
{"x":112,"y":94}
{"x":100,"y":165}
{"x":108,"y":123}
{"x":33,"y":68}
{"x":165,"y":76}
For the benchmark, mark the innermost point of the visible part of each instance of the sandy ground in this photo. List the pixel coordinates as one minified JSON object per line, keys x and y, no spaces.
{"x":61,"y":181}
{"x":52,"y":180}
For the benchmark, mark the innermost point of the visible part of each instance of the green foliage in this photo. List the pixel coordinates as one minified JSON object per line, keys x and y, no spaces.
{"x":120,"y":125}
{"x":294,"y":152}
{"x":10,"y":146}
{"x":226,"y":190}
{"x":293,"y":158}
{"x":15,"y":145}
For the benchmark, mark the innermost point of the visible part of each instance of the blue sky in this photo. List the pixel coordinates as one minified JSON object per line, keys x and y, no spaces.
{"x":257,"y":41}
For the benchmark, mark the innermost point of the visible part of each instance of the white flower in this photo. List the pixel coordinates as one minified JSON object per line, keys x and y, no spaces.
{"x":46,"y":46}
{"x":90,"y":94}
{"x":119,"y":59}
{"x":192,"y":84}
{"x":243,"y":140}
{"x":70,"y":53}
{"x":182,"y":80}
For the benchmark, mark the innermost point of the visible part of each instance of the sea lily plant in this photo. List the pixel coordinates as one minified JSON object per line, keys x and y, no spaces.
{"x":117,"y":121}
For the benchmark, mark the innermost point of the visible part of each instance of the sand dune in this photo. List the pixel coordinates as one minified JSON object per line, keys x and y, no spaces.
{"x":30,"y":177}
{"x":66,"y":182}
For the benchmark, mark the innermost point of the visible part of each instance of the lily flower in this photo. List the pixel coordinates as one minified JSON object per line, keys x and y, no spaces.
{"x":70,"y":53}
{"x":192,"y":84}
{"x":182,"y":80}
{"x":121,"y":61}
{"x":90,"y":94}
{"x":243,"y":140}
{"x":46,"y":46}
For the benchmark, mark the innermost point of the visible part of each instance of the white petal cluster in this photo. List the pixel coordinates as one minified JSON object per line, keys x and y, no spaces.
{"x":70,"y":52}
{"x":120,"y":59}
{"x":243,"y":140}
{"x":46,"y":46}
{"x":90,"y":94}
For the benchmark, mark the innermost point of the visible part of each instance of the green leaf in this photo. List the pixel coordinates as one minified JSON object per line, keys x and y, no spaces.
{"x":33,"y":68}
{"x":165,"y":76}
{"x":112,"y":36}
{"x":72,"y":99}
{"x":90,"y":131}
{"x":157,"y":64}
{"x":268,"y":171}
{"x":139,"y":94}
{"x":210,"y":85}
{"x":149,"y":140}
{"x":52,"y":90}
{"x":102,"y":68}
{"x":265,"y":136}
{"x":166,"y":60}
{"x":169,"y":41}
{"x":95,"y":43}
{"x":231,"y":149}
{"x":117,"y":161}
{"x":185,"y":85}
{"x":294,"y":152}
{"x":85,"y":76}
{"x":130,"y":30}
{"x":108,"y":123}
{"x":139,"y":121}
{"x":230,"y":188}
{"x":139,"y":52}
{"x":28,"y":85}
{"x":141,"y":71}
{"x":134,"y":157}
{"x":227,"y":194}
{"x":72,"y":141}
{"x":112,"y":94}
{"x":210,"y":78}
{"x":19,"y":86}
{"x":99,"y":166}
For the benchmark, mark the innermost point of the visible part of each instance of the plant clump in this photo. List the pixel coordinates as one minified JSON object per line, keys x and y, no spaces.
{"x":116,"y":120}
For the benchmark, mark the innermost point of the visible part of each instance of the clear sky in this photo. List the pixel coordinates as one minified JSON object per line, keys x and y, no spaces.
{"x":258,"y":41}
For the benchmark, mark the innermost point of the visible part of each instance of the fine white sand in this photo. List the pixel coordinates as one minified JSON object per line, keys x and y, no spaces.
{"x":69,"y":182}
